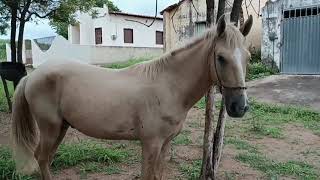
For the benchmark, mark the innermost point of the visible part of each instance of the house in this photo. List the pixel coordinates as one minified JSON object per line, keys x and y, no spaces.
{"x":100,"y":37}
{"x":291,"y":36}
{"x":187,"y":18}
{"x":104,"y":28}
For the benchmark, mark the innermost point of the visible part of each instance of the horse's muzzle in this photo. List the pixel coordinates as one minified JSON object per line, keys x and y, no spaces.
{"x":236,"y":105}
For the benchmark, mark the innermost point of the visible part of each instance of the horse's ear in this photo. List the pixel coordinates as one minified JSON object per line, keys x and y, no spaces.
{"x":246,"y":27}
{"x":221,"y":27}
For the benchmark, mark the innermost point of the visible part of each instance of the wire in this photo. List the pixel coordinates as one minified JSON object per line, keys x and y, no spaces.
{"x":174,"y":27}
{"x":154,"y":19}
{"x":194,"y":7}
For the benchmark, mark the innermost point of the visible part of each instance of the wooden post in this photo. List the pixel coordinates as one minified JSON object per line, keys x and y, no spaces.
{"x":217,"y":139}
{"x":5,"y":86}
{"x":207,"y":170}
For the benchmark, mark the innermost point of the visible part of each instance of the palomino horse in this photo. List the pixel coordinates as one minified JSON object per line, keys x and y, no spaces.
{"x":147,"y":102}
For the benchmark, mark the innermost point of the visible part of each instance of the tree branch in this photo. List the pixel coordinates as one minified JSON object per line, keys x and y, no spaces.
{"x":39,"y":16}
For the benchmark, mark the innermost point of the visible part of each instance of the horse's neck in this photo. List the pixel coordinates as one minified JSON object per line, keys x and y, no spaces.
{"x":190,"y":71}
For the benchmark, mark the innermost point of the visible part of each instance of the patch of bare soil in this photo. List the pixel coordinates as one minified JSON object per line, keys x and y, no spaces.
{"x":4,"y":128}
{"x":299,"y":144}
{"x":230,"y":166}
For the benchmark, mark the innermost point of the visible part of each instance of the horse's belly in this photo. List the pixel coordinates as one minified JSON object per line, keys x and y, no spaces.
{"x":104,"y":129}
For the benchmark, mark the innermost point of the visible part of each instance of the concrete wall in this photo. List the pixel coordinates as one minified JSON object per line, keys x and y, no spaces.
{"x":113,"y":24}
{"x":179,"y":27}
{"x":74,"y":34}
{"x":62,"y":50}
{"x":271,"y":24}
{"x":8,"y":53}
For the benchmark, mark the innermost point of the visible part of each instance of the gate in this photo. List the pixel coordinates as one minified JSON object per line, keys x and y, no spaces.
{"x":300,"y":52}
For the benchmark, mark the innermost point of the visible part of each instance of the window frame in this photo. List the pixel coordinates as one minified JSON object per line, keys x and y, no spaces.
{"x":125,"y":40}
{"x":162,"y":41}
{"x":98,"y":29}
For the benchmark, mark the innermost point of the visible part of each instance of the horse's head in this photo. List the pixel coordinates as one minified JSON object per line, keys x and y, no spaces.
{"x":228,"y":69}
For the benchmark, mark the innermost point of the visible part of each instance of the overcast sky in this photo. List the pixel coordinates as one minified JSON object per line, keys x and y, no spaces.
{"x":145,"y":7}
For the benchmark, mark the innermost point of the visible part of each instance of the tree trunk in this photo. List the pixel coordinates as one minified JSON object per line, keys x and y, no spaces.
{"x":221,"y":8}
{"x":218,"y":139}
{"x":207,"y":170}
{"x":20,"y":41}
{"x":234,"y":17}
{"x":210,"y":12}
{"x":14,"y":10}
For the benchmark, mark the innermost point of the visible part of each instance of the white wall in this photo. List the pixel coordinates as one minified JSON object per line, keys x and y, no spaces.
{"x":74,"y":34}
{"x":62,"y":50}
{"x":112,"y":24}
{"x":8,"y":53}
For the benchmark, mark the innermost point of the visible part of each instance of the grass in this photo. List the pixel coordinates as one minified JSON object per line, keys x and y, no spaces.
{"x":274,"y":169}
{"x":241,"y":145}
{"x":126,"y":63}
{"x":3,"y":56}
{"x":183,"y":138}
{"x":191,"y":171}
{"x":7,"y":166}
{"x":268,"y":119}
{"x":3,"y":101}
{"x":260,"y":129}
{"x":276,"y":115}
{"x":88,"y":155}
{"x":70,"y":155}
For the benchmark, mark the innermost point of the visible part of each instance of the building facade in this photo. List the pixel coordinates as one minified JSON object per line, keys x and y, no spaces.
{"x":106,"y":28}
{"x":291,"y":36}
{"x":187,"y":19}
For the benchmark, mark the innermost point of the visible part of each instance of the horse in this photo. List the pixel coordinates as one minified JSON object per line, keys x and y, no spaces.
{"x":148,"y":101}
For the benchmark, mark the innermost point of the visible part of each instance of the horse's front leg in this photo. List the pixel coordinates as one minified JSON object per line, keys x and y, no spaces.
{"x":151,"y":150}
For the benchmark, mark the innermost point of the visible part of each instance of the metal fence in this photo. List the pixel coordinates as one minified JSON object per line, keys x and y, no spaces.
{"x":301,"y":41}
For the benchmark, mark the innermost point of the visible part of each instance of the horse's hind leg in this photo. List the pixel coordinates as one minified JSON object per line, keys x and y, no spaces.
{"x":50,"y":130}
{"x":63,"y":132}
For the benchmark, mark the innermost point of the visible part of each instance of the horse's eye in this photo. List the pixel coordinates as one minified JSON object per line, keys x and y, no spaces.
{"x":222,"y":60}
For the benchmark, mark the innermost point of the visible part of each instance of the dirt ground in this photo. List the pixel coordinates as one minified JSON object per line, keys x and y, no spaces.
{"x":287,"y":89}
{"x":296,"y":141}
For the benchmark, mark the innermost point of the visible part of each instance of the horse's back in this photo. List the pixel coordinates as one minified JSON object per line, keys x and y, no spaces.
{"x":89,"y":96}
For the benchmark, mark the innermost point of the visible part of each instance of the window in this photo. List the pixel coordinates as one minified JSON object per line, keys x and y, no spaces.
{"x":98,"y":35}
{"x":312,"y":11}
{"x":159,"y":37}
{"x":199,"y":28}
{"x":128,"y":35}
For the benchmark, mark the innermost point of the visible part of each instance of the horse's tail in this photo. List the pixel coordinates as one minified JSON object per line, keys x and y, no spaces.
{"x":24,"y":131}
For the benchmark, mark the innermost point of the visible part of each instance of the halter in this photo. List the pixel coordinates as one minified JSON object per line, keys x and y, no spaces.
{"x":221,"y":86}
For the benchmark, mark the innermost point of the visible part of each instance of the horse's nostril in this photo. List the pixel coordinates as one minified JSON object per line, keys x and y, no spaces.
{"x":234,"y":107}
{"x":246,"y":108}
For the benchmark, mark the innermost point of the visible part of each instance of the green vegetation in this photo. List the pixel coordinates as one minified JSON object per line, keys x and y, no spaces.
{"x":241,"y":145}
{"x":3,"y":56}
{"x":125,"y":64}
{"x":191,"y":171}
{"x":90,"y":156}
{"x":183,"y":138}
{"x":7,"y":166}
{"x":258,"y":70}
{"x":3,"y":100}
{"x":267,"y":119}
{"x":277,"y":115}
{"x":274,"y":169}
{"x":260,"y":129}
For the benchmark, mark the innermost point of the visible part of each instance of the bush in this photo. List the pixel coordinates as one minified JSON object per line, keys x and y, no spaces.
{"x":258,"y":70}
